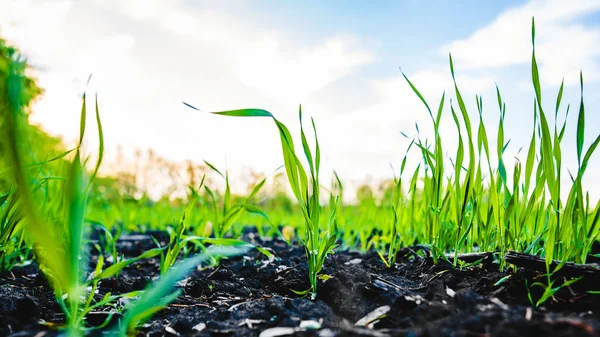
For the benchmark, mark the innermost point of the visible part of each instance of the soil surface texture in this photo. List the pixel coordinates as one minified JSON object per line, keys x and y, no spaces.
{"x":251,"y":295}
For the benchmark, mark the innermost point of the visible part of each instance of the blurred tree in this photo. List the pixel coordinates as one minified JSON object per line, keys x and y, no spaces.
{"x":40,"y":145}
{"x":365,"y":195}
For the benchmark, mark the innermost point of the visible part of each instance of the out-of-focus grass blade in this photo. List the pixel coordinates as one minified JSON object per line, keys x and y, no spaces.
{"x":76,"y":199}
{"x":160,"y":294}
{"x":214,"y":168}
{"x":116,"y":267}
{"x":60,"y":156}
{"x":255,"y":210}
{"x":50,"y":253}
{"x":229,"y":242}
{"x":101,"y":141}
{"x":82,"y":120}
{"x":255,"y":189}
{"x":3,"y":198}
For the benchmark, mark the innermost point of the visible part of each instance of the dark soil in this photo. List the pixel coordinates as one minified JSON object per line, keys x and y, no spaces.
{"x":247,"y":295}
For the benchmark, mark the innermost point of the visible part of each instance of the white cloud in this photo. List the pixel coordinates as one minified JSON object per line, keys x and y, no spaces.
{"x":432,"y":82}
{"x":272,"y":63}
{"x":146,"y":9}
{"x":35,"y":26}
{"x":292,"y":75}
{"x":63,"y":54}
{"x":368,"y":138}
{"x":146,"y":57}
{"x":149,"y":55}
{"x":562,"y":44}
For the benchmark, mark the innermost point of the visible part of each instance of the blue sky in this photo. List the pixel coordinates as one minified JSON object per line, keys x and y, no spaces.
{"x":340,"y":59}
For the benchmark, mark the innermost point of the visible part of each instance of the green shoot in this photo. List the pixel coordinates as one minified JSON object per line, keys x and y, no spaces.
{"x":158,"y":295}
{"x":306,"y":188}
{"x":225,"y":217}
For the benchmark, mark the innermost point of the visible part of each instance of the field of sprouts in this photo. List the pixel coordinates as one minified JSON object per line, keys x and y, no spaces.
{"x":466,"y":249}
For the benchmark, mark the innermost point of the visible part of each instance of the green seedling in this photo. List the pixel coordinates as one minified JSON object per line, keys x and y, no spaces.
{"x":463,"y":201}
{"x":58,"y":247}
{"x":549,"y":287}
{"x":109,"y":243}
{"x":475,"y":204}
{"x":395,"y":240}
{"x":179,"y":241}
{"x":99,"y":274}
{"x":176,"y":238}
{"x":12,"y":248}
{"x":230,"y":211}
{"x":158,"y":295}
{"x":306,"y":188}
{"x":61,"y":263}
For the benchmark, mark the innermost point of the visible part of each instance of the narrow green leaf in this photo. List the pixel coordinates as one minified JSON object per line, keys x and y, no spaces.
{"x":100,"y":141}
{"x":212,"y":167}
{"x":160,"y":293}
{"x":580,"y":124}
{"x":418,"y":95}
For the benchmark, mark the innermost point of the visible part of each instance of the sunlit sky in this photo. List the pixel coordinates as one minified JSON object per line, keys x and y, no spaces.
{"x":339,"y":59}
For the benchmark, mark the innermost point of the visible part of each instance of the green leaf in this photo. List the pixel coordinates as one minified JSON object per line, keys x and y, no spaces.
{"x":301,"y":292}
{"x":588,"y":153}
{"x":245,"y":113}
{"x":384,"y":260}
{"x":212,"y":167}
{"x":502,"y":280}
{"x":160,"y":293}
{"x":418,"y":95}
{"x":255,"y":190}
{"x":305,"y":147}
{"x":547,"y":150}
{"x":559,"y":98}
{"x":325,"y":277}
{"x":82,"y":121}
{"x":451,"y":65}
{"x":100,"y":141}
{"x":580,"y":124}
{"x":150,"y":253}
{"x":114,"y":269}
{"x":533,"y":31}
